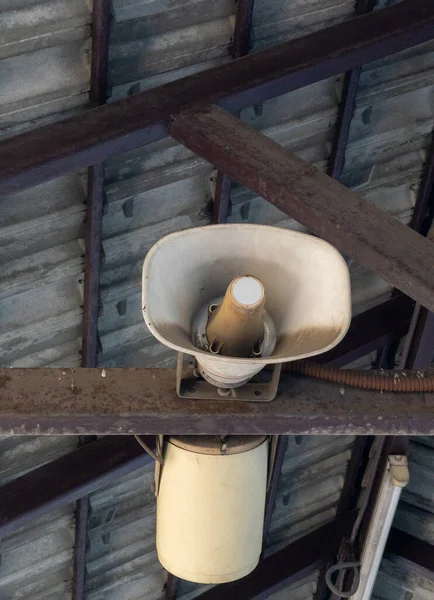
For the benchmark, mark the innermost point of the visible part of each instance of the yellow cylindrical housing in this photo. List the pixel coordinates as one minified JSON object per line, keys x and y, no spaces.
{"x":210,"y":507}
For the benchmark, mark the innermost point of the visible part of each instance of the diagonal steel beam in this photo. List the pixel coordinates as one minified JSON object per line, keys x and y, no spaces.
{"x":67,"y":479}
{"x":369,"y":235}
{"x":125,"y":401}
{"x":104,"y":132}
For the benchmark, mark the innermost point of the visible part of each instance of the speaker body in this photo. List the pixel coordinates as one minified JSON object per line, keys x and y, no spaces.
{"x":210,"y":507}
{"x":306,"y":283}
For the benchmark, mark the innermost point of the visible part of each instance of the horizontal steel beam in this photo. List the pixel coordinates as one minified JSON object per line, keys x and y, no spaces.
{"x":372,"y":237}
{"x":67,"y":479}
{"x":104,"y":132}
{"x":125,"y":401}
{"x":412,"y":552}
{"x":288,"y":565}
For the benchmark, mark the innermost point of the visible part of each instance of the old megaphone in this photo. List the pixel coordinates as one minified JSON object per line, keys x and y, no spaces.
{"x":239,"y":297}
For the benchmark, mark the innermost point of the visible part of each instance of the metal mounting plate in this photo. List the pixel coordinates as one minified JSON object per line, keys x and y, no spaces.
{"x":188,"y":385}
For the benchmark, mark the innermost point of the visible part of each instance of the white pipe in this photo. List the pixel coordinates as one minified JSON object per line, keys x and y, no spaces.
{"x":379,"y":529}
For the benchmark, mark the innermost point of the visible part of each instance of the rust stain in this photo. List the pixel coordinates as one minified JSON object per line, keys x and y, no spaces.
{"x":306,"y":340}
{"x":4,"y":380}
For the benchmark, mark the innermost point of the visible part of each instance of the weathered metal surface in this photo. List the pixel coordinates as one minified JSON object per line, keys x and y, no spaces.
{"x":371,"y":330}
{"x":104,"y":132}
{"x":95,"y":185}
{"x":279,"y":457}
{"x":243,"y":24}
{"x":421,"y":350}
{"x":239,"y":47}
{"x":416,"y":554}
{"x":346,"y":112}
{"x":408,"y":564}
{"x":44,"y":77}
{"x":287,"y":565}
{"x":281,"y":20}
{"x":415,"y":513}
{"x":92,"y":263}
{"x":123,"y":401}
{"x":37,"y":559}
{"x":67,"y":479}
{"x":222,"y":197}
{"x":101,"y":14}
{"x":310,"y":485}
{"x":91,"y":300}
{"x":346,"y":108}
{"x":80,"y":542}
{"x":172,"y":583}
{"x":369,"y":235}
{"x":424,"y":208}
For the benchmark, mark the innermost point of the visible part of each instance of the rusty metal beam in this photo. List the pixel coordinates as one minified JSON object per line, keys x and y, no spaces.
{"x":95,"y":185}
{"x":67,"y":479}
{"x":424,"y":208}
{"x":347,"y":107}
{"x":239,"y":47}
{"x":80,"y":547}
{"x":243,"y":25}
{"x":125,"y":401}
{"x":372,"y":237}
{"x":104,"y":132}
{"x":92,"y":261}
{"x":171,"y":587}
{"x":288,"y":565}
{"x":421,"y":351}
{"x":270,"y":504}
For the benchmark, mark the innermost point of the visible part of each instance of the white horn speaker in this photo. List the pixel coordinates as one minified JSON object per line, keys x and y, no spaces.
{"x":278,"y":296}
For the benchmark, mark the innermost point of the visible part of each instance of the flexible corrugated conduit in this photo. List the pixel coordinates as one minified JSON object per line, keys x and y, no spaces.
{"x":382,"y":381}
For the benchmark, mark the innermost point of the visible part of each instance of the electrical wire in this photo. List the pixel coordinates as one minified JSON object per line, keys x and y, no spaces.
{"x":156,"y":456}
{"x":343,"y":567}
{"x":383,"y":381}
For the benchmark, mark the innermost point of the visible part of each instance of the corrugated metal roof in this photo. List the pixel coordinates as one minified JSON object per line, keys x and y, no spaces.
{"x":301,"y":590}
{"x":36,"y":560}
{"x":151,"y":192}
{"x":310,"y":485}
{"x":397,"y":583}
{"x":122,"y":560}
{"x":278,"y":21}
{"x":141,"y":186}
{"x":44,"y":74}
{"x":162,"y":187}
{"x":151,"y":43}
